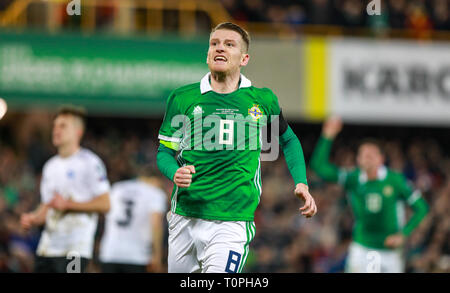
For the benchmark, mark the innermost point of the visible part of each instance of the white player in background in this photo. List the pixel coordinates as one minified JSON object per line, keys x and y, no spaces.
{"x":74,"y":190}
{"x":133,"y":237}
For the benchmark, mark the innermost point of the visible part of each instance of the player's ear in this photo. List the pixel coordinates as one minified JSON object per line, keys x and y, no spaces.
{"x":80,"y":133}
{"x":80,"y":128}
{"x":245,"y":59}
{"x":382,"y":158}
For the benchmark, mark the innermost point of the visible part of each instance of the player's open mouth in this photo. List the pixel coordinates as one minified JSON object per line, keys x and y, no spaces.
{"x":220,"y":58}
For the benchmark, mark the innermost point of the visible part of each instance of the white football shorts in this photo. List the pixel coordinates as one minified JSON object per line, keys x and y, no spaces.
{"x":208,"y":246}
{"x":362,"y":259}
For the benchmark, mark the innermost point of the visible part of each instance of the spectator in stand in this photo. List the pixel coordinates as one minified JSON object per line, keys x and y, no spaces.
{"x":441,"y":14}
{"x":296,"y":15}
{"x":255,"y":10}
{"x":418,"y":20}
{"x":352,"y":13}
{"x":320,"y":12}
{"x":397,"y":15}
{"x":235,"y":9}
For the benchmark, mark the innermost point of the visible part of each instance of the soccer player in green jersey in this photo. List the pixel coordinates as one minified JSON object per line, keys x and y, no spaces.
{"x":377,"y":196}
{"x":216,"y":125}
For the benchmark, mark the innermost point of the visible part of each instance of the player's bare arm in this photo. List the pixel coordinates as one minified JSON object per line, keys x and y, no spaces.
{"x":36,"y":218}
{"x":155,"y":265}
{"x":99,"y":204}
{"x":293,"y":155}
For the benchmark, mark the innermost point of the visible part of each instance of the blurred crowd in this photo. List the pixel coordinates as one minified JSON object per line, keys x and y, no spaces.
{"x":396,"y":14}
{"x":419,"y":16}
{"x":284,"y":241}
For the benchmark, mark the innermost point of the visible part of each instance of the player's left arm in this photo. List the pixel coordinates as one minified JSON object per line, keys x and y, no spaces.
{"x":170,"y":137}
{"x":155,"y":266}
{"x":420,"y":209}
{"x":295,"y":161}
{"x":156,"y":208}
{"x":165,"y":159}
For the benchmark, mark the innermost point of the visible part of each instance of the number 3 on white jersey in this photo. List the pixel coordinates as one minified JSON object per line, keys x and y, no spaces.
{"x":229,"y":131}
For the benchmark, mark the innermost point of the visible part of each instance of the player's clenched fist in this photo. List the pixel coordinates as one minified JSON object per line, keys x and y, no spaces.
{"x":310,"y":208}
{"x":27,"y":220}
{"x":183,"y":176}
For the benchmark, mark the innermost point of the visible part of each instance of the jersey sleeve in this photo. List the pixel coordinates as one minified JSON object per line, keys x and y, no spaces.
{"x":97,"y":177}
{"x":417,"y":203}
{"x":275,"y":115}
{"x":45,"y":188}
{"x":169,"y":133}
{"x":321,"y":165}
{"x":407,"y":191}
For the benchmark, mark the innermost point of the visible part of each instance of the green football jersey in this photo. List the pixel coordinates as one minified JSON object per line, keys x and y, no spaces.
{"x":220,"y":134}
{"x":378,"y":205}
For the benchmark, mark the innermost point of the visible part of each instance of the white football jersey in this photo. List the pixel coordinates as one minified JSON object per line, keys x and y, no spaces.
{"x":80,"y":177}
{"x":127,"y":237}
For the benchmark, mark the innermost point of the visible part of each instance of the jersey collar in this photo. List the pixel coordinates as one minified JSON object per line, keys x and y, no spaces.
{"x":381,"y":175}
{"x":205,"y":86}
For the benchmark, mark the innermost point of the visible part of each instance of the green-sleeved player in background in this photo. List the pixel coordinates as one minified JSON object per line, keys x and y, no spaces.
{"x":214,"y":125}
{"x":377,"y":196}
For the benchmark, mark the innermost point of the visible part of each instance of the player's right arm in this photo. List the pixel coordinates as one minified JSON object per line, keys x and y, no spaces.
{"x":167,"y":164}
{"x":157,"y":205}
{"x":38,"y":216}
{"x":170,"y":139}
{"x":35,"y":218}
{"x":320,"y":160}
{"x":156,"y":222}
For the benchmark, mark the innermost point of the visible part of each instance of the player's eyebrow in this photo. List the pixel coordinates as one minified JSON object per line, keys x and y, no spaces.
{"x":226,"y":40}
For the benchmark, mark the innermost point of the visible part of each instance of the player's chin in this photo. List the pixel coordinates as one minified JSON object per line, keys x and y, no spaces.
{"x":219,"y":68}
{"x":56,"y":142}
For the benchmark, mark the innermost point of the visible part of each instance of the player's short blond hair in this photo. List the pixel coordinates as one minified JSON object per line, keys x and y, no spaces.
{"x":75,"y":111}
{"x":236,"y":28}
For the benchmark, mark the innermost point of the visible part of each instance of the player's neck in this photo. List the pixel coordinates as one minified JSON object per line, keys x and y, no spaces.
{"x":65,"y":151}
{"x":225,"y":83}
{"x":372,"y":174}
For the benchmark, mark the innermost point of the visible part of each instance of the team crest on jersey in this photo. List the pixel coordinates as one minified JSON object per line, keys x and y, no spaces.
{"x":197,"y":110}
{"x":388,"y":190}
{"x":71,"y":174}
{"x":255,"y":112}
